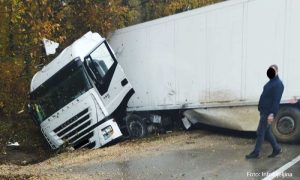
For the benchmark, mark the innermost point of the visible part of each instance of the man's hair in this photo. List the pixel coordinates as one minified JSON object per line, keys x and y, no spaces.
{"x":274,"y":66}
{"x":271,"y":73}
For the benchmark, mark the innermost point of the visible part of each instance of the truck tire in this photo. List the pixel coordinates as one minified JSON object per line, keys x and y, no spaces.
{"x":286,"y":126}
{"x":136,"y":126}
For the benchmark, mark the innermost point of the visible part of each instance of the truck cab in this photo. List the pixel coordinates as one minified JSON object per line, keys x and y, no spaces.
{"x":80,"y":97}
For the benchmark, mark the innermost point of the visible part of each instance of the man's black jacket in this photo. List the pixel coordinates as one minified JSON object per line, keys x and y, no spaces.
{"x":270,"y":98}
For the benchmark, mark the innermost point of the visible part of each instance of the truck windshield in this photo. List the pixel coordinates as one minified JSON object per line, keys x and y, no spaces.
{"x":100,"y":60}
{"x":65,"y":86}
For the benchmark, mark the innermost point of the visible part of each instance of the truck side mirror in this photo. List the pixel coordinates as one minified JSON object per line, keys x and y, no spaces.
{"x":91,"y":70}
{"x":29,"y":108}
{"x":31,"y":113}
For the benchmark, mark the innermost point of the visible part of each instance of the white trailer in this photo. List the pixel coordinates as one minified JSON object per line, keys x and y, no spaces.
{"x":212,"y":62}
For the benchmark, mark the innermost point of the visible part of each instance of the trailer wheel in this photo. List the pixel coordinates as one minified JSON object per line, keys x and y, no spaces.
{"x":286,"y":127}
{"x":136,"y":126}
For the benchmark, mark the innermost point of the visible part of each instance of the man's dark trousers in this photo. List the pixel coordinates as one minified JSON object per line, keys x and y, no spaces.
{"x":264,"y":130}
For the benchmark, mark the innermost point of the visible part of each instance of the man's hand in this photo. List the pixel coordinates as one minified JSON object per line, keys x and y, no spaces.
{"x":270,"y":118}
{"x":294,"y":100}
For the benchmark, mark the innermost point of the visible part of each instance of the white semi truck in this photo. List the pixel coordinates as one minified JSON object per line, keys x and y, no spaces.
{"x":206,"y":65}
{"x":79,"y":98}
{"x":210,"y":64}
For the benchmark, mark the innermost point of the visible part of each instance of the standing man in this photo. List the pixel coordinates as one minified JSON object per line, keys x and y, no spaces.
{"x":268,"y":107}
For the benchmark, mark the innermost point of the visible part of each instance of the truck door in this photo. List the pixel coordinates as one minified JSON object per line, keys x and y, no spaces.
{"x":108,"y":76}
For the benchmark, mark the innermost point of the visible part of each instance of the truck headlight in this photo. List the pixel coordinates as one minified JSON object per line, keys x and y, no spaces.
{"x":107,"y":132}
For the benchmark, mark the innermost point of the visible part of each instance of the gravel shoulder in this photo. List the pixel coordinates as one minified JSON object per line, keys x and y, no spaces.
{"x":52,"y":168}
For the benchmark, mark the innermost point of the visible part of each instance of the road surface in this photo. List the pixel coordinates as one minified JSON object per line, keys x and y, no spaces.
{"x":198,"y":154}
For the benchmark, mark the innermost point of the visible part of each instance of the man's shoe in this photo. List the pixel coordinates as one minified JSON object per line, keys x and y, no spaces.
{"x":275,"y":153}
{"x":252,"y":155}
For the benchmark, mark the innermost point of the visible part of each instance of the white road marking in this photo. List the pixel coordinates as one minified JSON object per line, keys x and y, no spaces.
{"x":282,"y":169}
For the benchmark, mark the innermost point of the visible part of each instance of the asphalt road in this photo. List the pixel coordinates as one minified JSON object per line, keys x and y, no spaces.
{"x":182,"y":155}
{"x":220,"y":163}
{"x":222,"y":159}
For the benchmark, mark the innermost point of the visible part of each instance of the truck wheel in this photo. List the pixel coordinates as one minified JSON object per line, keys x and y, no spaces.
{"x":286,"y":127}
{"x":136,"y":126}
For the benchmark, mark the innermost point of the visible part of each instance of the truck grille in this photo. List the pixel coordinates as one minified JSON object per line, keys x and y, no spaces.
{"x":71,"y":130}
{"x":84,"y":142}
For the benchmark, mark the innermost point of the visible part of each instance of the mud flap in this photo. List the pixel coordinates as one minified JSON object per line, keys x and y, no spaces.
{"x":187,"y":124}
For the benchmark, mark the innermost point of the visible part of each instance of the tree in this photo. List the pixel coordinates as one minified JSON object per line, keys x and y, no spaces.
{"x":24,"y":23}
{"x":153,"y":9}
